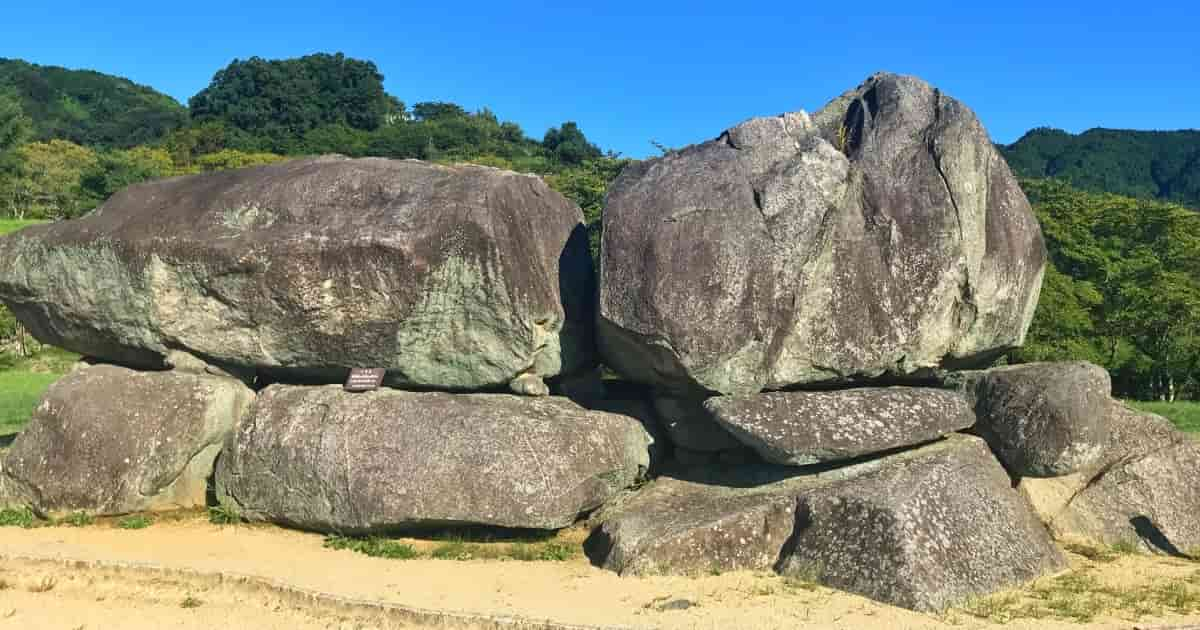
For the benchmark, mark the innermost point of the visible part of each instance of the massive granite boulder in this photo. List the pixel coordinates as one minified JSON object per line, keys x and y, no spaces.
{"x":884,"y":235}
{"x":1041,"y":419}
{"x":1144,"y":490}
{"x":801,"y":428}
{"x":108,"y":440}
{"x":924,"y":528}
{"x":321,"y":459}
{"x":454,"y":277}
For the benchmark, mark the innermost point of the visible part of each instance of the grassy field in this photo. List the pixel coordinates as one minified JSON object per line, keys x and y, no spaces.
{"x":22,"y":384}
{"x":1185,"y":414}
{"x":19,"y":394}
{"x":12,"y":225}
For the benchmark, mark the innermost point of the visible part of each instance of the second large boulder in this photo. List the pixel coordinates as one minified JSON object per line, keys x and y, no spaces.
{"x":321,"y":459}
{"x":882,"y":235}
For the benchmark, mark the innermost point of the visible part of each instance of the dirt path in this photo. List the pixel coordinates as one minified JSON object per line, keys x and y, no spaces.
{"x":170,"y":576}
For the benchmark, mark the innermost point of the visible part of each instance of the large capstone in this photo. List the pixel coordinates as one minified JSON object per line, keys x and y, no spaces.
{"x":923,"y":528}
{"x":883,"y":235}
{"x":1042,"y":419}
{"x":453,"y":277}
{"x":321,"y":459}
{"x":1145,"y":490}
{"x":108,"y":440}
{"x":800,"y":428}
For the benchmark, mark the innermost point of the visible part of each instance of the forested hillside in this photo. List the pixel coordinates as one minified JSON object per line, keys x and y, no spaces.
{"x":253,"y":111}
{"x":89,"y":108}
{"x":1150,"y":164}
{"x":1123,"y":290}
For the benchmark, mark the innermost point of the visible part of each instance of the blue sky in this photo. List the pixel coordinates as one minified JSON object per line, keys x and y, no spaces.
{"x":672,"y":72}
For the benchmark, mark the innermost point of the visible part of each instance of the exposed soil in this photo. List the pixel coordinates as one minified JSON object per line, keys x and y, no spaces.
{"x":170,"y":576}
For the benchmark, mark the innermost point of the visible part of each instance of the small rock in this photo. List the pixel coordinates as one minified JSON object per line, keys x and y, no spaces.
{"x":1041,"y":419}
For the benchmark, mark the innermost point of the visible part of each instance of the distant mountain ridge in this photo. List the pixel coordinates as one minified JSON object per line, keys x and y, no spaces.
{"x":1161,"y":165}
{"x":88,"y":107}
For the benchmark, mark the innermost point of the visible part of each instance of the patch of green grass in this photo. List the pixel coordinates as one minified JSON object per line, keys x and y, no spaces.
{"x":190,"y":602}
{"x":12,"y":225}
{"x":20,"y":393}
{"x":1184,"y":414}
{"x":78,"y":519}
{"x":17,"y":517}
{"x":1103,"y":554}
{"x":1124,"y":547}
{"x":1095,"y":554}
{"x":374,"y":547}
{"x":551,"y":551}
{"x":135,"y":521}
{"x":998,"y":608}
{"x":224,"y":514}
{"x":1080,"y":597}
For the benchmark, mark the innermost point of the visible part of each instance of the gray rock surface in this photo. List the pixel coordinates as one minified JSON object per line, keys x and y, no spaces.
{"x":1146,"y":490}
{"x":883,"y":235}
{"x":801,"y":428}
{"x":108,"y":440}
{"x":1042,"y":419}
{"x":691,"y":426}
{"x":454,"y":277}
{"x":922,"y":529}
{"x":321,"y":459}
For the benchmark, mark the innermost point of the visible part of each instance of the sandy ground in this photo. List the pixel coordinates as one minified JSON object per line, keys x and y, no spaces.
{"x":175,"y":582}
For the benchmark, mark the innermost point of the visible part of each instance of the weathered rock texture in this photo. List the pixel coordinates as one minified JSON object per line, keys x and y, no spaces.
{"x":451,"y":277}
{"x":1144,"y":490}
{"x":883,"y":235}
{"x":925,"y":534}
{"x":800,"y":428}
{"x":1042,"y":419}
{"x":922,"y":529}
{"x":321,"y":459}
{"x":108,"y":440}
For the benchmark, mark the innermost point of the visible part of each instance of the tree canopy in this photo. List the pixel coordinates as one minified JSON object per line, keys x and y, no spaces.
{"x":1122,"y":289}
{"x":277,"y":102}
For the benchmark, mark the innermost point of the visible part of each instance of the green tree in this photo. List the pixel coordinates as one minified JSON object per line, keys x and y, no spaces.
{"x":15,"y":126}
{"x":435,"y":110}
{"x":115,"y":170}
{"x":276,"y":102}
{"x":587,"y":185}
{"x":568,"y":144}
{"x":1123,"y":289}
{"x":47,"y":184}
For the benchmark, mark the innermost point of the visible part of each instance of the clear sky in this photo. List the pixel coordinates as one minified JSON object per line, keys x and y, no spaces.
{"x":676,"y":72}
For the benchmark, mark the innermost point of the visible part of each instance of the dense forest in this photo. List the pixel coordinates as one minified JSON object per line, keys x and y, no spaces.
{"x":63,"y":151}
{"x":1123,"y":288}
{"x":1146,"y":164}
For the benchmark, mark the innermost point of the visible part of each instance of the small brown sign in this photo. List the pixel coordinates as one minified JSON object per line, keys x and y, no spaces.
{"x":364,"y":379}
